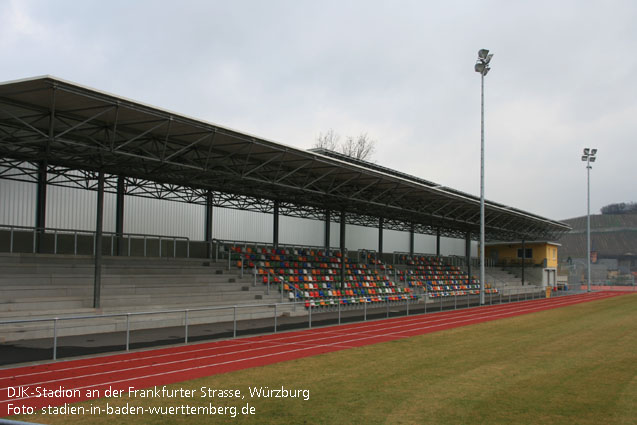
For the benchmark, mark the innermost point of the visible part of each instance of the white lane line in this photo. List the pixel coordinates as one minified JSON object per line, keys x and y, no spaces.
{"x":470,"y":316}
{"x":381,"y":324}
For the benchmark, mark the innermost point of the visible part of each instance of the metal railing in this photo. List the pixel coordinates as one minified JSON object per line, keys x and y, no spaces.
{"x":62,"y":244}
{"x":430,"y":304}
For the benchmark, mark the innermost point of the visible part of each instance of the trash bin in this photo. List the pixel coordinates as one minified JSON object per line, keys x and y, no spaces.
{"x":548,"y":292}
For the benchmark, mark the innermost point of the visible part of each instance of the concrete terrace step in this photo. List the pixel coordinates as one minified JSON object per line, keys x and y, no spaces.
{"x":140,"y":266}
{"x":38,"y":314}
{"x":35,"y":304}
{"x":109,"y":280}
{"x":96,"y":325}
{"x":20,"y":293}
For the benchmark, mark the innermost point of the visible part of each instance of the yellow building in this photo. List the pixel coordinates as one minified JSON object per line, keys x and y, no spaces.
{"x":537,"y":254}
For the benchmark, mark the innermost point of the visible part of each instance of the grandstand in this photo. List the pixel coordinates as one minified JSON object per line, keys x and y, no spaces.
{"x":59,"y":137}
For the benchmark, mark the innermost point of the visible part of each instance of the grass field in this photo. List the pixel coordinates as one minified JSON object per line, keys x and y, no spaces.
{"x":573,"y":365}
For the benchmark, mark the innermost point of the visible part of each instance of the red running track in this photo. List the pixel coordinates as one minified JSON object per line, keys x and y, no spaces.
{"x":25,"y":386}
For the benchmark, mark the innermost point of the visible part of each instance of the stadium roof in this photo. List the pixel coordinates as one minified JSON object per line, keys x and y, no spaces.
{"x":171,"y":156}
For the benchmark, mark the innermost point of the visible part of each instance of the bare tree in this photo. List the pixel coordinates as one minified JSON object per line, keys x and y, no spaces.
{"x":328,"y":141}
{"x":361,"y":147}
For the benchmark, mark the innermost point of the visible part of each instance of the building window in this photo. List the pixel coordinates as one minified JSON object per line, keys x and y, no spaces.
{"x":529,"y":253}
{"x":554,"y":253}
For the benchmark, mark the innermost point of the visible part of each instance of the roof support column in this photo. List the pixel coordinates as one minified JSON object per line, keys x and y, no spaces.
{"x":326,"y":238}
{"x":40,"y":205}
{"x":381,"y":223}
{"x":208,"y":224}
{"x":468,"y":254}
{"x":438,"y":242}
{"x":119,"y":215}
{"x":275,"y":235}
{"x":342,"y":243}
{"x":412,"y":234}
{"x":97,"y":283}
{"x":523,"y":259}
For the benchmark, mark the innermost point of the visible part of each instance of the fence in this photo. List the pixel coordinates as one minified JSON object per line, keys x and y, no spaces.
{"x":186,"y":319}
{"x":20,"y":239}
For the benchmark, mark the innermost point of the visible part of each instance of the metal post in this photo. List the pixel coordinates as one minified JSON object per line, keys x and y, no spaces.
{"x":127,"y":331}
{"x":407,"y":305}
{"x":275,"y":317}
{"x":40,"y":208}
{"x":275,"y":226}
{"x":438,"y":242}
{"x":119,"y":213}
{"x":97,"y":282}
{"x":11,"y":242}
{"x":234,"y":321}
{"x":381,"y":224}
{"x":339,"y":311}
{"x":309,"y":317}
{"x":455,"y":301}
{"x":327,"y":230}
{"x":342,"y":244}
{"x":75,"y":243}
{"x":55,"y":338}
{"x":588,"y":223}
{"x":208,"y":224}
{"x":441,"y":297}
{"x":160,"y":247}
{"x":55,"y":242}
{"x":365,"y":311}
{"x":387,"y":303}
{"x":144,"y":245}
{"x":482,"y":66}
{"x":523,"y":259}
{"x":186,"y":327}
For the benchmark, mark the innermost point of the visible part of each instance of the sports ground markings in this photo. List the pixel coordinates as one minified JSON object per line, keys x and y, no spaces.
{"x":407,"y":324}
{"x":309,"y":338}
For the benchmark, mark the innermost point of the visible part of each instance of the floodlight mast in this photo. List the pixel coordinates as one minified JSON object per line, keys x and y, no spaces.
{"x":482,"y":67}
{"x":588,"y":157}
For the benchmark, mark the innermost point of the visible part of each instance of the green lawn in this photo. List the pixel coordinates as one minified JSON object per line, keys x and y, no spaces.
{"x":574,"y":365}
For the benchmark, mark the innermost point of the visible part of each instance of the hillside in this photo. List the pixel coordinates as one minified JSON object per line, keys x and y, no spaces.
{"x":612,"y":236}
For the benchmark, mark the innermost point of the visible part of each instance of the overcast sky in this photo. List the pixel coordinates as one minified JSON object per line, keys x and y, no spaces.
{"x":564,"y":77}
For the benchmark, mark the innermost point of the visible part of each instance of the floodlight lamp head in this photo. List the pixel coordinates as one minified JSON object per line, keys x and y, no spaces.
{"x":480,"y":67}
{"x":488,"y":58}
{"x":593,"y":159}
{"x":593,"y":151}
{"x":584,"y":158}
{"x":586,"y":151}
{"x":482,"y":53}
